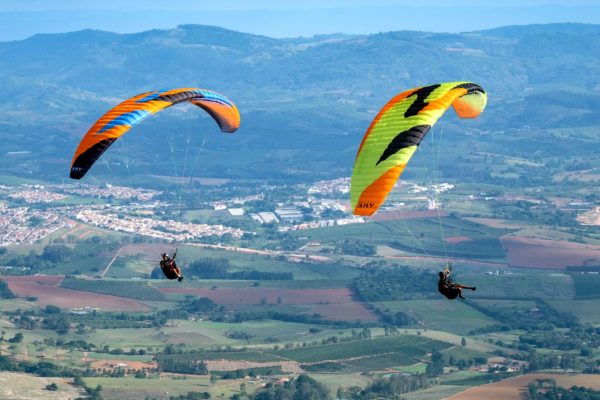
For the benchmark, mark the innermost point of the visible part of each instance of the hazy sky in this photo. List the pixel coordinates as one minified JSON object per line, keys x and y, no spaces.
{"x":281,"y":18}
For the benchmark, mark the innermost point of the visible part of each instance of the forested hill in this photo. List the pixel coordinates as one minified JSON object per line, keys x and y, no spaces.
{"x":311,"y":95}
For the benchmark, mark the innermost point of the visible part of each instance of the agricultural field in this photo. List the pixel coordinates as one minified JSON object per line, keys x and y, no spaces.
{"x":587,"y":286}
{"x":413,"y":345}
{"x":27,"y":387}
{"x":130,"y":388}
{"x":549,"y":254}
{"x":441,"y":315}
{"x":47,"y":291}
{"x":129,"y":289}
{"x":519,"y":285}
{"x":513,"y":388}
{"x":425,"y":236}
{"x":587,"y":311}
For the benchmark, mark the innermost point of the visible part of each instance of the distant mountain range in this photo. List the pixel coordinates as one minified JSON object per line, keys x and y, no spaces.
{"x":305,"y":102}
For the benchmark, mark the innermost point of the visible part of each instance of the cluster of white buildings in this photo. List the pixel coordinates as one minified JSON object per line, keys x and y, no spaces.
{"x":168,"y":230}
{"x":339,"y":186}
{"x":106,"y":191}
{"x":266,"y":217}
{"x":436,"y":188}
{"x":236,"y":202}
{"x":326,"y":204}
{"x":324,"y":223}
{"x":21,"y":225}
{"x":36,"y":196}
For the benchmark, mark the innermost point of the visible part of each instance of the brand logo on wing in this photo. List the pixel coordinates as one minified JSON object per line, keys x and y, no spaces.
{"x":365,"y":205}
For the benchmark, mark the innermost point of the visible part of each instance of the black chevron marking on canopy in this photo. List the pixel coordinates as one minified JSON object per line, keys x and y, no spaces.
{"x":471,"y":87}
{"x":86,"y":159}
{"x":408,"y":138}
{"x":179,"y":97}
{"x":419,"y":102}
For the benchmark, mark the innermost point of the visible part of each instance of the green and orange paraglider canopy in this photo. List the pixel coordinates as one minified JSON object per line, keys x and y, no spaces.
{"x":396,"y":132}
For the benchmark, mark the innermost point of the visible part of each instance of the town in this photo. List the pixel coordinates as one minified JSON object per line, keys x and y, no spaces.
{"x":29,"y":213}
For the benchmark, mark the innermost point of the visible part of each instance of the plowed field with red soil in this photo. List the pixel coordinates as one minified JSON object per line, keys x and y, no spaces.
{"x":552,"y":254}
{"x":47,"y":291}
{"x":396,"y":215}
{"x":52,"y":280}
{"x":516,"y":388}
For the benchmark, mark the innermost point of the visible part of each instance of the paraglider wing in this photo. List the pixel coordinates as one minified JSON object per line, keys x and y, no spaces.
{"x":124,"y":116}
{"x":397,"y":130}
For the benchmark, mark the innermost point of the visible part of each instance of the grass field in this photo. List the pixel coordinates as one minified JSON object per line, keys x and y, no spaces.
{"x":300,"y":271}
{"x":542,"y":285}
{"x":463,"y":353}
{"x":460,"y":376}
{"x":27,"y":387}
{"x":167,"y":385}
{"x":220,"y":283}
{"x":455,"y":316}
{"x":414,"y":369}
{"x":11,"y":180}
{"x":420,"y":236}
{"x":587,"y":311}
{"x":433,"y":393}
{"x":587,"y":286}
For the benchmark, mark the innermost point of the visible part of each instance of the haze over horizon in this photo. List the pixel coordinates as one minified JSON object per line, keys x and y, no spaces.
{"x":19,"y":20}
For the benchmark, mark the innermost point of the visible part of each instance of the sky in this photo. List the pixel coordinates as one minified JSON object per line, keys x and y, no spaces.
{"x":20,"y":19}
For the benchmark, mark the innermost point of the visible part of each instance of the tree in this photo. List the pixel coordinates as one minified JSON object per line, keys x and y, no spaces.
{"x":18,"y":338}
{"x":5,"y":292}
{"x":437,"y":364}
{"x":533,"y":360}
{"x":157,"y":273}
{"x":52,"y":387}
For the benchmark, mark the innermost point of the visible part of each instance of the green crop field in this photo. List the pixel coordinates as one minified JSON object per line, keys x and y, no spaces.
{"x":413,"y":369}
{"x":352,"y":349}
{"x":254,"y":356}
{"x":587,"y":311}
{"x":519,"y":286}
{"x":451,"y":316}
{"x":462,"y":353}
{"x":587,"y":286}
{"x":406,"y":356}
